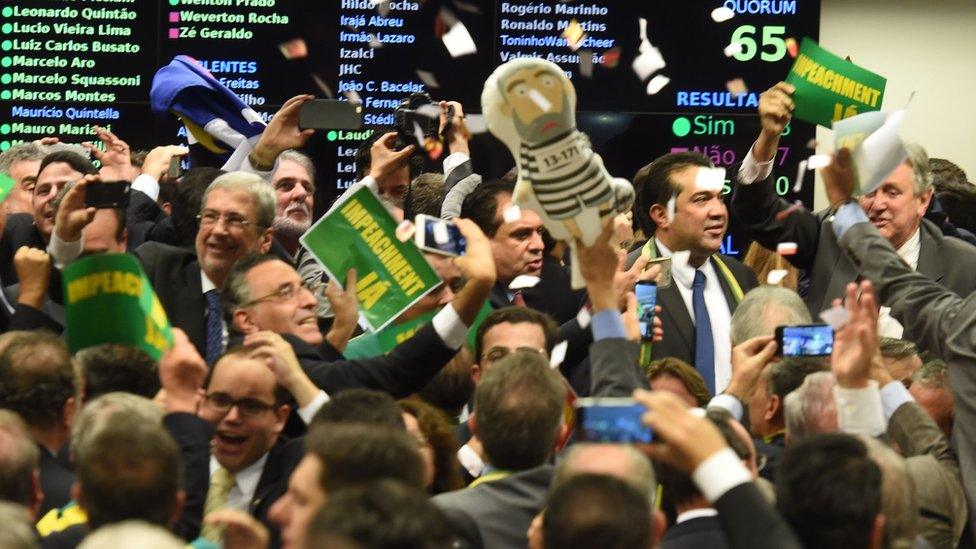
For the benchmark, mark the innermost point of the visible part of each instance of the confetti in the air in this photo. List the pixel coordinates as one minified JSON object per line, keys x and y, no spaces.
{"x":353,"y":97}
{"x":722,"y":14}
{"x":458,"y":41}
{"x":323,"y":86}
{"x":786,"y":248}
{"x":558,"y":354}
{"x":657,"y":83}
{"x":586,"y":63}
{"x":418,"y":133}
{"x":429,"y":110}
{"x":776,"y":276}
{"x":434,"y":147}
{"x":574,"y":35}
{"x":512,"y":214}
{"x":475,"y":123}
{"x":781,"y":215}
{"x":734,"y":48}
{"x":428,"y":78}
{"x":405,"y":230}
{"x":465,"y":6}
{"x":610,"y":58}
{"x":374,"y":42}
{"x":583,"y":318}
{"x":524,"y":281}
{"x":818,"y":161}
{"x":791,"y":47}
{"x":837,"y":317}
{"x":801,"y":172}
{"x":812,"y":144}
{"x":648,"y":62}
{"x":710,"y":179}
{"x":737,"y":87}
{"x":293,"y":49}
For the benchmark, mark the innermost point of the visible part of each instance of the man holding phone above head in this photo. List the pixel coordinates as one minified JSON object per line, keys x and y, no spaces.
{"x":896,"y":208}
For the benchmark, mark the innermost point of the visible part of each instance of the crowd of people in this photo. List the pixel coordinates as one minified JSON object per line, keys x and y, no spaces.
{"x":254,"y":430}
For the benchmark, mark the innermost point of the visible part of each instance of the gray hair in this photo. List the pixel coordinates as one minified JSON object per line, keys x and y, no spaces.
{"x":98,"y":413}
{"x":23,"y":152}
{"x":131,"y":533}
{"x":641,"y":475}
{"x":808,"y":408}
{"x":302,"y":160}
{"x":897,"y":348}
{"x":918,"y":159}
{"x":933,"y":374}
{"x":18,"y":531}
{"x":898,"y":500}
{"x":258,"y":188}
{"x":763,"y":309}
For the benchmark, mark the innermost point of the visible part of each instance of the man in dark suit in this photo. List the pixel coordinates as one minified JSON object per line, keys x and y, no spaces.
{"x":518,"y":418}
{"x":686,"y":219}
{"x":896,"y":208}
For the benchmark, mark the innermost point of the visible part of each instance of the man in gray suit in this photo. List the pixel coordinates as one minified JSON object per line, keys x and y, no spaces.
{"x":895,"y":209}
{"x":935,"y":318}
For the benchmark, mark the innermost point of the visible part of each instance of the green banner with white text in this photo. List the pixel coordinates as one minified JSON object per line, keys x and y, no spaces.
{"x":358,"y":233}
{"x":829,"y":88}
{"x":108,"y":299}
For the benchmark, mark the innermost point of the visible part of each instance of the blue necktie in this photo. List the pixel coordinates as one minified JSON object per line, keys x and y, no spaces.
{"x":215,"y":331}
{"x":704,"y":346}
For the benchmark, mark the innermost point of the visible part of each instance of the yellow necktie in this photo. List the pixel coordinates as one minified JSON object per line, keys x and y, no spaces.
{"x":220,"y":484}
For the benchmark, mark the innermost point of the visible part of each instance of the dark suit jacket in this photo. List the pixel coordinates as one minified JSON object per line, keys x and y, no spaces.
{"x":18,"y":231}
{"x":502,"y":509}
{"x":56,"y":480}
{"x":679,"y":330}
{"x":946,"y":260}
{"x":554,"y":294}
{"x":192,"y":434}
{"x":282,"y":460}
{"x":697,"y":533}
{"x":750,"y":522}
{"x":936,"y":319}
{"x":175,"y":275}
{"x":49,"y":317}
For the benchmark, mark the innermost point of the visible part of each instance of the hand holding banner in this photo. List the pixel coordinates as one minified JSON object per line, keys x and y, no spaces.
{"x":829,"y":88}
{"x":108,"y":299}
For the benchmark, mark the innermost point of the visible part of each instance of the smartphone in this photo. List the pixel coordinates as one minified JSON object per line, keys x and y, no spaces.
{"x":330,"y":114}
{"x":806,"y":340}
{"x":646,"y":300}
{"x":439,"y":236}
{"x":107,"y":194}
{"x":611,"y":420}
{"x":175,"y":170}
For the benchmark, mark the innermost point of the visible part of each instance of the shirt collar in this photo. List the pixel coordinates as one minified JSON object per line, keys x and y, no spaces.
{"x":910,"y":249}
{"x":680,"y":270}
{"x":246,"y":479}
{"x":205,"y":282}
{"x":695,"y":513}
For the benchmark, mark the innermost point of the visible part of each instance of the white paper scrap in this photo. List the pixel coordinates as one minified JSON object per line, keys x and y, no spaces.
{"x":818,"y":161}
{"x":583,"y":317}
{"x":558,"y":354}
{"x":836,"y":316}
{"x":524,"y":281}
{"x":512,"y":214}
{"x":733,"y":49}
{"x":458,"y":41}
{"x":428,"y":78}
{"x":648,"y":62}
{"x":786,"y":248}
{"x":657,"y":83}
{"x":776,"y":276}
{"x":710,"y":179}
{"x":722,"y":14}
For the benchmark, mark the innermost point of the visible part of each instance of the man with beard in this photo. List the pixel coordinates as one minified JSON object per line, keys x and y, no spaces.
{"x":294,"y":186}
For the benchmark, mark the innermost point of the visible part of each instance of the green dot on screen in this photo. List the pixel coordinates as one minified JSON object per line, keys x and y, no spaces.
{"x":4,"y":145}
{"x":8,"y":11}
{"x":5,"y":94}
{"x":5,"y":129}
{"x":681,"y":126}
{"x":7,"y":44}
{"x":5,"y":79}
{"x":7,"y":27}
{"x":332,"y":135}
{"x":6,"y":61}
{"x":174,"y":2}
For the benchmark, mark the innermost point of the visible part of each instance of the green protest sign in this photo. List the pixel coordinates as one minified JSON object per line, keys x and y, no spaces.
{"x":381,"y":342}
{"x":6,"y":183}
{"x":829,"y":88}
{"x":108,"y":299}
{"x":358,"y":233}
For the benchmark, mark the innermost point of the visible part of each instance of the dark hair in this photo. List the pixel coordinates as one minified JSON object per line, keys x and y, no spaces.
{"x":518,"y":409}
{"x":364,"y":155}
{"x":77,"y":162}
{"x":602,"y":511}
{"x":683,"y":372}
{"x":130,"y":469}
{"x":452,"y":387}
{"x":516,"y":315}
{"x":235,"y":291}
{"x":426,"y":196}
{"x":19,"y":457}
{"x":187,"y":200}
{"x":653,"y":184}
{"x":829,"y":490}
{"x":785,"y":376}
{"x":352,"y":454}
{"x":481,"y":206}
{"x":116,"y":367}
{"x":958,"y":199}
{"x":36,"y":377}
{"x":384,"y":514}
{"x":439,"y":433}
{"x":361,"y":406}
{"x":945,"y":173}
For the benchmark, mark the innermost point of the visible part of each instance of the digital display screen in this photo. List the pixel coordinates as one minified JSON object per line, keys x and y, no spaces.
{"x":808,"y":340}
{"x":67,"y":65}
{"x":443,"y":237}
{"x":646,"y":300}
{"x":610,"y":423}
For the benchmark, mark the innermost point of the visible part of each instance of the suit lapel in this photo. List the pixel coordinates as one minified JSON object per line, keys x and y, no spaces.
{"x":929,"y":263}
{"x":191,"y":308}
{"x":673,"y":306}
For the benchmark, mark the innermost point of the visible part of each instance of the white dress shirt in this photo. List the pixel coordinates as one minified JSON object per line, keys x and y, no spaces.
{"x":245,"y":483}
{"x":718,"y":310}
{"x":695,"y":513}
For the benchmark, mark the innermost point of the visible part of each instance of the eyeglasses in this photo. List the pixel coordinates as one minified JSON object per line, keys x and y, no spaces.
{"x":288,"y":292}
{"x":210,"y":218}
{"x":497,"y":353}
{"x":246,"y":407}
